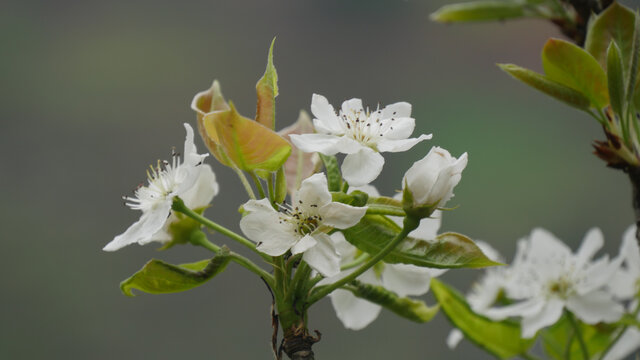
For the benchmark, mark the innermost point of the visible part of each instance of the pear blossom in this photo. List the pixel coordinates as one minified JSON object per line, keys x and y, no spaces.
{"x":431,"y":180}
{"x":303,"y":226}
{"x":360,"y":134}
{"x":626,"y":281}
{"x":550,"y":277}
{"x":299,"y":165}
{"x":403,"y":279}
{"x":187,"y":178}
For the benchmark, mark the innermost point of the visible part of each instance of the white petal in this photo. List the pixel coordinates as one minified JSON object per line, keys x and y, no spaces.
{"x":524,"y":308}
{"x":263,"y":225}
{"x":304,"y":244}
{"x":352,"y":106}
{"x":548,"y":315}
{"x":623,"y":285}
{"x":341,"y":216}
{"x":595,"y":307}
{"x":142,"y":230}
{"x":325,"y":144}
{"x":345,"y":249}
{"x":631,"y":250}
{"x":326,"y":120}
{"x":592,"y":242}
{"x":353,"y":312}
{"x":323,"y":257}
{"x":599,"y":274}
{"x":362,"y":167}
{"x":203,"y":190}
{"x":428,"y":228}
{"x":191,"y":156}
{"x":399,"y":128}
{"x":313,"y":193}
{"x":404,"y":279}
{"x":397,"y":110}
{"x":454,"y":338}
{"x":398,"y":145}
{"x":626,"y":345}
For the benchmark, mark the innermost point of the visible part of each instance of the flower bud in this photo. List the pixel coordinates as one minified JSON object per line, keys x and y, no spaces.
{"x":429,"y":183}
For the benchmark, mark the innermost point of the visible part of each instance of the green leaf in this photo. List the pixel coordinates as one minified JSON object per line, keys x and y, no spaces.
{"x":556,"y":338}
{"x":448,"y":250}
{"x":501,"y":339}
{"x":159,"y":277}
{"x":552,"y":88}
{"x":615,"y":79}
{"x":480,"y":11}
{"x":334,"y":178}
{"x":267,"y":90}
{"x":414,"y":310}
{"x":615,"y":23}
{"x":572,"y":66}
{"x":385,"y":206}
{"x":633,"y":62}
{"x":211,"y":103}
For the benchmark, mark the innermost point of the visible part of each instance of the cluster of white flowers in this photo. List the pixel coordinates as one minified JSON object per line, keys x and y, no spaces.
{"x":546,"y":277}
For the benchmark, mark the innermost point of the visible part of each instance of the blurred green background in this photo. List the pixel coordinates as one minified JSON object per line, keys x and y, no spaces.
{"x":94,"y":91}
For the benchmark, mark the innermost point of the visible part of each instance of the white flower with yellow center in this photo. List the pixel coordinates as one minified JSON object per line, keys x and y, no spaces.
{"x":303,"y":226}
{"x":360,"y":134}
{"x":549,"y":278}
{"x":189,"y":179}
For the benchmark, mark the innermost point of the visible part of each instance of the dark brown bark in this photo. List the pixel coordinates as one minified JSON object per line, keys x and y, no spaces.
{"x":297,"y":343}
{"x":634,"y":177}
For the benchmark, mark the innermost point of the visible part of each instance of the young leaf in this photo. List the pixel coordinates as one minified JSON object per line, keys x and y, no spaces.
{"x":556,"y":338}
{"x":615,"y":23}
{"x":570,"y":65}
{"x":334,"y":177}
{"x":552,"y":88}
{"x":414,"y":310}
{"x":248,"y":144}
{"x":633,"y":62}
{"x":281,"y":186}
{"x":267,"y":90}
{"x":479,"y":11}
{"x":211,"y":103}
{"x":501,"y":339}
{"x":615,"y":79}
{"x":448,"y":250}
{"x":159,"y":277}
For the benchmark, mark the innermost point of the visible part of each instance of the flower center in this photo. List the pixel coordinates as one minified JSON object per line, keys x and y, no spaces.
{"x":364,"y":127}
{"x":163,"y":180}
{"x":561,"y":288}
{"x":304,"y":222}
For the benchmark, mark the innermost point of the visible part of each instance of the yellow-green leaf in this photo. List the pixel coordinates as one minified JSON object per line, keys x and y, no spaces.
{"x":480,"y":11}
{"x":210,"y":103}
{"x":615,"y":23}
{"x":267,"y":90}
{"x":615,"y":79}
{"x":501,"y":339}
{"x":556,"y":338}
{"x":552,"y":88}
{"x":572,"y":66}
{"x":248,"y":144}
{"x":159,"y":277}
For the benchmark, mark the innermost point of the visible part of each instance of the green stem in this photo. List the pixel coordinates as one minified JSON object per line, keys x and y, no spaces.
{"x":179,"y":206}
{"x":243,"y":179}
{"x":410,"y":224}
{"x":299,"y":280}
{"x":299,"y":168}
{"x":258,"y":184}
{"x":375,"y":209}
{"x":622,"y":331}
{"x":237,"y":258}
{"x":357,"y":261}
{"x":271,"y":189}
{"x":576,"y":327}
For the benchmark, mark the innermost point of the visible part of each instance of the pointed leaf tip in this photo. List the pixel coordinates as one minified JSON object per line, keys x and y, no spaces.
{"x":267,"y":90}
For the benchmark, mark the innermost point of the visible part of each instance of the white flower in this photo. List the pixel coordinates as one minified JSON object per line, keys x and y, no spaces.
{"x":626,"y":281}
{"x":432,"y":179}
{"x":302,"y":227}
{"x":360,"y":134}
{"x":189,"y":179}
{"x":403,"y":279}
{"x":550,"y":277}
{"x":628,"y":342}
